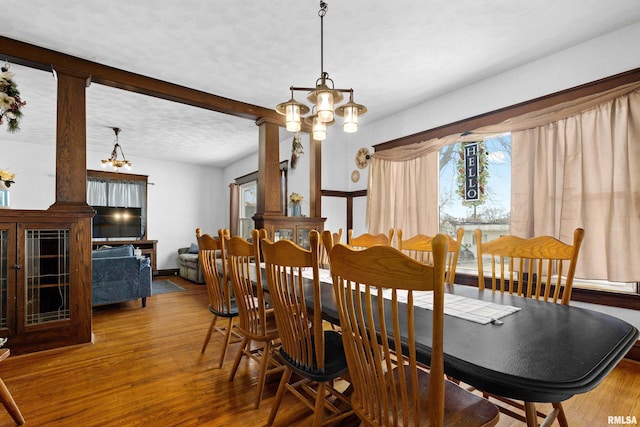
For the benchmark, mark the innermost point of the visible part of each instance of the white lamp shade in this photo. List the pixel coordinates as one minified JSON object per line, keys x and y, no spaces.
{"x":350,"y":119}
{"x":293,"y":117}
{"x":324,"y":106}
{"x":319,"y":129}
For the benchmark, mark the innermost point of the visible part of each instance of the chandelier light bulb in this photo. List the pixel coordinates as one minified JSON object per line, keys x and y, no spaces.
{"x":319,"y":129}
{"x":324,"y":106}
{"x":293,"y":117}
{"x":350,"y":124}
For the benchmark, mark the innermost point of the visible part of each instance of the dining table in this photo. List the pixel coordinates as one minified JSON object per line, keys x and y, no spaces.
{"x":538,"y":352}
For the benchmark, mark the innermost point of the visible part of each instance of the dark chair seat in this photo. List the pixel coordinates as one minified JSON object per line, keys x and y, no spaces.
{"x":335,"y":362}
{"x":232,"y":312}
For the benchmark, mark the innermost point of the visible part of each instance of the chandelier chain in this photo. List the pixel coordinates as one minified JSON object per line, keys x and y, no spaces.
{"x":322,"y":12}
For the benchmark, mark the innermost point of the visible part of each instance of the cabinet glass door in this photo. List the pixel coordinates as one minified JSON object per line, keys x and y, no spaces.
{"x":283,"y":234}
{"x":303,"y":237}
{"x":47,"y":276}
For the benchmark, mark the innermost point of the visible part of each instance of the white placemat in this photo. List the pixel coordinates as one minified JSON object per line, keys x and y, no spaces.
{"x":471,"y":309}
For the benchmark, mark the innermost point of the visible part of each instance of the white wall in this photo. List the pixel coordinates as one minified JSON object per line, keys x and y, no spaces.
{"x":182,"y":198}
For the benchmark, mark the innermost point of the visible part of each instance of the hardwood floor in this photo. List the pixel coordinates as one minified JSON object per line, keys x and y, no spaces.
{"x":145,"y":368}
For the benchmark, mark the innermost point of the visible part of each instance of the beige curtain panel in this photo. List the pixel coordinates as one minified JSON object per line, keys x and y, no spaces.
{"x":403,"y":194}
{"x":584,"y":171}
{"x":409,"y":199}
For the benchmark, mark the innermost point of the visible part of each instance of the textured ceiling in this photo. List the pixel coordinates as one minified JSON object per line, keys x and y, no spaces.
{"x":394,"y":54}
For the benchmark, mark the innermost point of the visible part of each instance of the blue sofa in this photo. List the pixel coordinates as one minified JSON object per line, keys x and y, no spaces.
{"x":118,"y":276}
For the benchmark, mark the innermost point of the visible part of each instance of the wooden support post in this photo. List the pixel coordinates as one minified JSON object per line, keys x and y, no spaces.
{"x":268,"y":197}
{"x":71,"y":142}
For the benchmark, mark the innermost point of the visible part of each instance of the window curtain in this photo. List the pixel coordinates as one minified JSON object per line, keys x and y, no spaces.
{"x":402,"y":195}
{"x":96,"y":192}
{"x":391,"y":190}
{"x":584,"y":171}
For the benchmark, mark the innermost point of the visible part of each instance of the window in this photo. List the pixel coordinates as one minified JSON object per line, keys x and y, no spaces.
{"x":490,"y":211}
{"x":247,"y":199}
{"x":248,"y":206}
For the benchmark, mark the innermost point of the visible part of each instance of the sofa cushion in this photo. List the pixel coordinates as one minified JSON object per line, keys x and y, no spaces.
{"x":193,"y":249}
{"x":189,"y":260}
{"x":118,"y":251}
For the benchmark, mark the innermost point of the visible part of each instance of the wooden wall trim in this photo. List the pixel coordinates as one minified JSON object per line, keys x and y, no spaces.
{"x":349,"y":195}
{"x":497,"y":116}
{"x":339,"y":193}
{"x":116,"y":176}
{"x":45,"y":59}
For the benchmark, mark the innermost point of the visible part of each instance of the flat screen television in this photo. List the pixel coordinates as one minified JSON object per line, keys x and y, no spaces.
{"x":117,"y":222}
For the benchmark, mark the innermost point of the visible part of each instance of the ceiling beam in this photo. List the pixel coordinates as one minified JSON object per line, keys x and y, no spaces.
{"x":45,"y":59}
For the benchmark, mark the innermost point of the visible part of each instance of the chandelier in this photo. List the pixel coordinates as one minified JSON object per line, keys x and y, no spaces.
{"x":323,"y":96}
{"x":113,"y":161}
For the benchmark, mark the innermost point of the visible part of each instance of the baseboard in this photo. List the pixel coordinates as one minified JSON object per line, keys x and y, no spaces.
{"x":167,"y":272}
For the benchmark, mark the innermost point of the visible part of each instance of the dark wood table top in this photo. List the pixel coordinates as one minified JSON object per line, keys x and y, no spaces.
{"x":544,"y":352}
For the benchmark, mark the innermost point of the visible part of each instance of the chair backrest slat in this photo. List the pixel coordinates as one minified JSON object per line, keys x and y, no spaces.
{"x":539,"y":263}
{"x":210,"y":251}
{"x":243,"y":259}
{"x":323,"y":251}
{"x":419,"y":248}
{"x":300,"y":328}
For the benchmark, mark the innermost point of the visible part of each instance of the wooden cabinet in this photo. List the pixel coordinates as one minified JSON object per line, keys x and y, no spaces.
{"x":294,"y":228}
{"x":44,"y":284}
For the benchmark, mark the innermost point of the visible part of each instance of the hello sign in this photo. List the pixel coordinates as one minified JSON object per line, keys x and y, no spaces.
{"x":471,"y":188}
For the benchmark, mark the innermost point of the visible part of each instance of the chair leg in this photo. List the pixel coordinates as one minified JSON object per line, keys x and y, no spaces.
{"x":562,"y":419}
{"x":211,"y":328}
{"x":318,"y":412}
{"x":264,"y":364}
{"x":530,"y":414}
{"x":236,"y":361}
{"x":286,"y":376}
{"x":227,"y":340}
{"x":10,"y":404}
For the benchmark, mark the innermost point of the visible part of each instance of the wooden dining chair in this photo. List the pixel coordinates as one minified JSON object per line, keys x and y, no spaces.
{"x":390,"y":390}
{"x":419,"y":248}
{"x":367,"y":240}
{"x":308,"y":351}
{"x":256,"y":322}
{"x":221,"y":303}
{"x":6,"y":398}
{"x":323,"y":253}
{"x":541,"y":267}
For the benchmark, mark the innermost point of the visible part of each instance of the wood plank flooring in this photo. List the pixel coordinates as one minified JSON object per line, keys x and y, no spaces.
{"x":145,"y":369}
